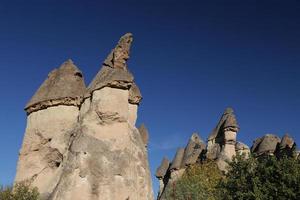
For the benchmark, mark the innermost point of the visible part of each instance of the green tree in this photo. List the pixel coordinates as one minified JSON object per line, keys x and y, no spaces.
{"x":261,"y":179}
{"x":19,"y":192}
{"x":197,"y":183}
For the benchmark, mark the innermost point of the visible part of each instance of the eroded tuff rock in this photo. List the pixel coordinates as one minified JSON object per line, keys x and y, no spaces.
{"x":64,"y":86}
{"x":221,"y":147}
{"x":91,"y":150}
{"x":266,"y":145}
{"x":222,"y":140}
{"x":52,"y":113}
{"x":193,"y":150}
{"x":242,"y":149}
{"x":144,"y":134}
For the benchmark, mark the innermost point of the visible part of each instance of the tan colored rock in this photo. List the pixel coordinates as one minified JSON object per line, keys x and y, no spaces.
{"x":163,"y":168}
{"x":266,"y":145}
{"x":177,"y":161}
{"x":64,"y":86}
{"x":242,"y":149}
{"x":114,"y":72}
{"x":193,"y":150}
{"x":45,"y":145}
{"x":107,"y":159}
{"x":144,"y":134}
{"x":135,"y":96}
{"x":287,"y":142}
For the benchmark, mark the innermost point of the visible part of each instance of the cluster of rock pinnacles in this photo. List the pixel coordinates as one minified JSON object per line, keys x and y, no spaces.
{"x":221,"y":147}
{"x":81,"y":143}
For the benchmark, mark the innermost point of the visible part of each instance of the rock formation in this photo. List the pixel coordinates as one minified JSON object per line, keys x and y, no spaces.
{"x":52,"y":114}
{"x":222,"y":140}
{"x":82,"y":143}
{"x":222,"y":146}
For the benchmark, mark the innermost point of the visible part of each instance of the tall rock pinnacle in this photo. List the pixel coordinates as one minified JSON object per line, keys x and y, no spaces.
{"x":52,"y":114}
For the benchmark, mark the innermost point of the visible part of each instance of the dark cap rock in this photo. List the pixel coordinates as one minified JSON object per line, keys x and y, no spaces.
{"x":114,"y":72}
{"x":163,"y":168}
{"x":64,"y":86}
{"x":135,"y":95}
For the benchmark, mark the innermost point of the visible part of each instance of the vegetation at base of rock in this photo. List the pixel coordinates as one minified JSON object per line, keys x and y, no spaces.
{"x":19,"y":192}
{"x":198,"y":182}
{"x":263,"y":178}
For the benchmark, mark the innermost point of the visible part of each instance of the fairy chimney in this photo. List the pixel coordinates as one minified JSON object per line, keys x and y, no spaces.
{"x":52,"y":114}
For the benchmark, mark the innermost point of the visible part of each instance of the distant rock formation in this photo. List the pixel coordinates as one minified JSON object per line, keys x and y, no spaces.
{"x":81,"y":143}
{"x":221,"y":147}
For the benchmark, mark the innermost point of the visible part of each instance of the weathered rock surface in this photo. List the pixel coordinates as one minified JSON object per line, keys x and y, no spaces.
{"x":91,"y":151}
{"x":242,"y":149}
{"x":144,"y":134}
{"x":64,"y":86}
{"x":52,"y":114}
{"x":266,"y":145}
{"x":177,"y":161}
{"x":193,"y":150}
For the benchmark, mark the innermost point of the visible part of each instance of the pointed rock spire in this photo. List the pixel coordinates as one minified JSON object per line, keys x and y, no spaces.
{"x":227,"y":121}
{"x":163,"y":168}
{"x":193,"y":150}
{"x":177,"y":161}
{"x":114,"y":72}
{"x":63,"y":86}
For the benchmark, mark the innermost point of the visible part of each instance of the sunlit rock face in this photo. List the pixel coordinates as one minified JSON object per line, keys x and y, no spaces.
{"x":52,"y":115}
{"x":92,"y":148}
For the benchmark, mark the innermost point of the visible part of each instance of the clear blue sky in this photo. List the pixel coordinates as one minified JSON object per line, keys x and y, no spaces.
{"x":191,"y":60}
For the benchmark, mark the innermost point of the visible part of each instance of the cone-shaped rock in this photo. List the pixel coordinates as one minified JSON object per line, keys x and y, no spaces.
{"x":64,"y":86}
{"x":193,"y":149}
{"x":177,"y":161}
{"x":163,"y":168}
{"x":265,"y":145}
{"x":227,"y":120}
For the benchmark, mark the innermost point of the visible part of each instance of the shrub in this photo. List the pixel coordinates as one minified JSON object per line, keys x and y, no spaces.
{"x":197,"y":183}
{"x":19,"y":192}
{"x":261,"y":179}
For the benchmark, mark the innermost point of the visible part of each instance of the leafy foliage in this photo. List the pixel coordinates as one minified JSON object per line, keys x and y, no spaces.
{"x":262,"y":179}
{"x":19,"y":192}
{"x":197,"y":183}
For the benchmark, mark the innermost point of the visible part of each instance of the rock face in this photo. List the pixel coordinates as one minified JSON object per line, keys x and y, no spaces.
{"x":91,"y":149}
